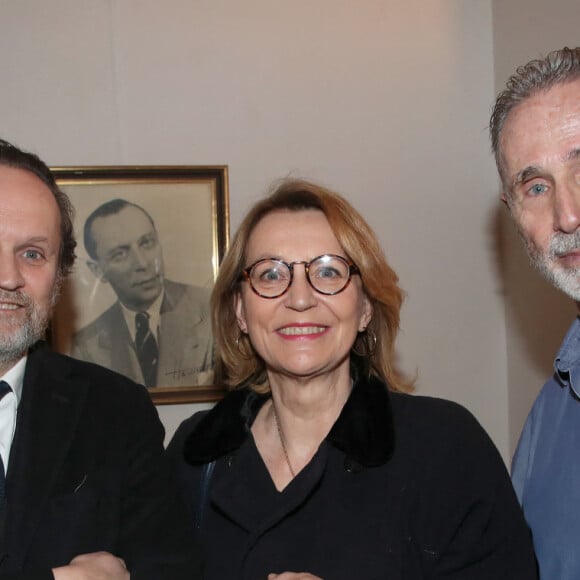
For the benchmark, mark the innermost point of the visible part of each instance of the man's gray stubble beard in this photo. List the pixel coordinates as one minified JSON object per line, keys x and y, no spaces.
{"x":565,"y":279}
{"x":16,"y":342}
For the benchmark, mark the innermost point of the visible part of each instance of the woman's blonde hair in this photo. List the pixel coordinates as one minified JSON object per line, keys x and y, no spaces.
{"x":373,"y":351}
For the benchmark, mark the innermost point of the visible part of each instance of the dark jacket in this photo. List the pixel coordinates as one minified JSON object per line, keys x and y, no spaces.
{"x":87,"y":473}
{"x":185,"y":340}
{"x":403,"y":487}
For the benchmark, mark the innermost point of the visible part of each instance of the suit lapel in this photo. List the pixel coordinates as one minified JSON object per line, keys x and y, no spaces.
{"x":48,"y":416}
{"x":179,"y":340}
{"x":115,"y":340}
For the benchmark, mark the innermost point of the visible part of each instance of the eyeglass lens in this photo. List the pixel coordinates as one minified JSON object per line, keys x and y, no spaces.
{"x":327,"y":274}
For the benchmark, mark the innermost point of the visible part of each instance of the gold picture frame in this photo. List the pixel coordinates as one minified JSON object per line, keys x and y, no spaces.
{"x":188,"y":208}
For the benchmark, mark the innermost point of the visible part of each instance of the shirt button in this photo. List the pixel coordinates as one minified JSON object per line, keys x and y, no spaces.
{"x":352,"y":466}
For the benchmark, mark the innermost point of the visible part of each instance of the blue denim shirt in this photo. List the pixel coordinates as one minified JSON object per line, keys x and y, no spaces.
{"x":546,"y":466}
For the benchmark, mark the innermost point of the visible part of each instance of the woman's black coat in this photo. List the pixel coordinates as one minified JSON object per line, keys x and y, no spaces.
{"x":402,"y":488}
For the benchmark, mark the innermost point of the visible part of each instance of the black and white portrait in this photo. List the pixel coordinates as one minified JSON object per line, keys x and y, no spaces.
{"x":138,"y":301}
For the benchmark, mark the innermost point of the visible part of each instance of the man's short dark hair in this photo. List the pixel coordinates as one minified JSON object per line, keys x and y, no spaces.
{"x":111,"y":207}
{"x":558,"y":67}
{"x":12,"y":156}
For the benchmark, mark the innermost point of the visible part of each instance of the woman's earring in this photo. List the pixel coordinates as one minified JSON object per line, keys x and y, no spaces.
{"x":241,"y":345}
{"x":367,"y":344}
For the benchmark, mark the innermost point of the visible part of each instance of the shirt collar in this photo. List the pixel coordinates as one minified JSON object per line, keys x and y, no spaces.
{"x":15,"y":377}
{"x":364,"y":430}
{"x":154,"y":312}
{"x":567,"y":362}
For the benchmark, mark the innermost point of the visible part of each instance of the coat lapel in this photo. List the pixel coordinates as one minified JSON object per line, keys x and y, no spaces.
{"x":47,"y":419}
{"x":116,"y":344}
{"x":364,"y":430}
{"x":179,"y":344}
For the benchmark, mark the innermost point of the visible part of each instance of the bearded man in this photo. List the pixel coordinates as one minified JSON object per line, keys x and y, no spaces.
{"x":535,"y":131}
{"x":85,"y":491}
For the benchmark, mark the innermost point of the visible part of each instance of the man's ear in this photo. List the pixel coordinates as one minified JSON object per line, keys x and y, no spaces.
{"x":96,"y":270}
{"x":240,"y":313}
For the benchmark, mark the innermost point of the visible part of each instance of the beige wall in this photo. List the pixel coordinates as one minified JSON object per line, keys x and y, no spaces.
{"x":385,"y":100}
{"x":537,"y":316}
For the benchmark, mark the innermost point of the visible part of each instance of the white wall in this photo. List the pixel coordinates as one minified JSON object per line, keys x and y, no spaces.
{"x":385,"y":100}
{"x":537,"y":315}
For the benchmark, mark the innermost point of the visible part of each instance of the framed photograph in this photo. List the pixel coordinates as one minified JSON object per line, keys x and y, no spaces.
{"x":150,"y":241}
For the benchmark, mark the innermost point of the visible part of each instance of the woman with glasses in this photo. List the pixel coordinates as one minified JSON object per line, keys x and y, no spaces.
{"x":317,"y":464}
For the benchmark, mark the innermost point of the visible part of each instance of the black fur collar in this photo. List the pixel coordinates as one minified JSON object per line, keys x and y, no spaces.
{"x":364,"y":430}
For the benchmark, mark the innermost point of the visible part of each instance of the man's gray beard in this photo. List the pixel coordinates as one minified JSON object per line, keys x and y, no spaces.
{"x":15,"y":342}
{"x":565,"y":279}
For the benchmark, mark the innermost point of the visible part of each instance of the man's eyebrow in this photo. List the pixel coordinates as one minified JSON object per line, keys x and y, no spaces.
{"x":117,"y":248}
{"x":36,"y":240}
{"x":573,"y":155}
{"x":528,"y":172}
{"x":532,"y":171}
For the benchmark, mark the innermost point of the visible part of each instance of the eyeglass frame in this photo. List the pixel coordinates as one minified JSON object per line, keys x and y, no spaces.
{"x":246,"y":274}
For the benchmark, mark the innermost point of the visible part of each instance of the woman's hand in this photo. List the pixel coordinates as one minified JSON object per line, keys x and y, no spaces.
{"x":293,"y":576}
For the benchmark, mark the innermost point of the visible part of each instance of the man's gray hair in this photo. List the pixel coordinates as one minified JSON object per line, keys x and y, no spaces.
{"x":559,"y":67}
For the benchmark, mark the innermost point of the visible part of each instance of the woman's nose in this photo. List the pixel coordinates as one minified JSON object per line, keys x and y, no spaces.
{"x":300,"y":295}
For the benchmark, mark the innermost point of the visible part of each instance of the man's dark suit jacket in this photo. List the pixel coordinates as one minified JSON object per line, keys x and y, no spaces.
{"x":87,"y":473}
{"x":185,"y":339}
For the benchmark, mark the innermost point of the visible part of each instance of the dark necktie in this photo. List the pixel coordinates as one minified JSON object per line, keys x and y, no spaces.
{"x":147,"y":351}
{"x":4,"y":390}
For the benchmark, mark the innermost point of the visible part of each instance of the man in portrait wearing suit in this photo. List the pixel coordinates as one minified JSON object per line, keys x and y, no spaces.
{"x":158,"y":332}
{"x":85,"y":490}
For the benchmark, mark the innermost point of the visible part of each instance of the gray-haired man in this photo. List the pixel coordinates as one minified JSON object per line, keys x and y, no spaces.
{"x":535,"y":131}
